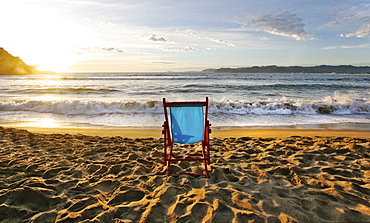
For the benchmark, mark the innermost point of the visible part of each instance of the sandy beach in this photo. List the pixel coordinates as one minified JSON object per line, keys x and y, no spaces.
{"x":117,"y":176}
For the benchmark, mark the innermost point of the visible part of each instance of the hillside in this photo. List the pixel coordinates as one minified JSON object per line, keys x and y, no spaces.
{"x":10,"y":65}
{"x":342,"y":69}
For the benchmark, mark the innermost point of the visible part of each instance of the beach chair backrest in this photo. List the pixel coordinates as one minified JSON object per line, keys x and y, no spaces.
{"x":187,"y":123}
{"x":186,"y":120}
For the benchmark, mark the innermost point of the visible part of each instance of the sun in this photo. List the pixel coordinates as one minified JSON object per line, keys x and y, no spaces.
{"x":42,"y":36}
{"x":55,"y":61}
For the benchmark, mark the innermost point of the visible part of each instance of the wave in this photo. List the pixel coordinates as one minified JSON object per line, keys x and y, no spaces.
{"x":289,"y":107}
{"x":125,"y":78}
{"x":57,"y":90}
{"x":189,"y":88}
{"x":275,"y":87}
{"x":76,"y":107}
{"x":338,"y":104}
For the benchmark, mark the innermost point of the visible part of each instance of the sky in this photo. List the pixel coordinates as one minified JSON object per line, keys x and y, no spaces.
{"x":191,"y":35}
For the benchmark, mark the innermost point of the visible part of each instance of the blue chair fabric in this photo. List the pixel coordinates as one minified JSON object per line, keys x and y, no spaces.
{"x":187,"y":124}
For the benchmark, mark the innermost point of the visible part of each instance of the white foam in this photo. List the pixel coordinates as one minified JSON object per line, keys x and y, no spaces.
{"x":340,"y":104}
{"x":336,"y":108}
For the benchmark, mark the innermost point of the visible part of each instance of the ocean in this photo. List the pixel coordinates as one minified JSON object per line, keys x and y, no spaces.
{"x":237,"y":100}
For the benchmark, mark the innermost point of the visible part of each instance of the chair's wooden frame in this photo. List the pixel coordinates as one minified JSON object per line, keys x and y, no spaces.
{"x":168,"y":140}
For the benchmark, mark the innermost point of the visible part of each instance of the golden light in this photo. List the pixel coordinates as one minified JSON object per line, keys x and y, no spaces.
{"x":45,"y":123}
{"x":50,"y":80}
{"x":47,"y":98}
{"x":42,"y":36}
{"x":55,"y":62}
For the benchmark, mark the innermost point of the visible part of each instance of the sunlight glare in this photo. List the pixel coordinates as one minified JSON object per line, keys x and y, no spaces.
{"x":45,"y":123}
{"x":48,"y":98}
{"x":50,"y":80}
{"x":45,"y":38}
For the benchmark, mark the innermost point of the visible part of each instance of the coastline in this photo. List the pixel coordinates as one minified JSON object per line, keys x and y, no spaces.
{"x":278,"y":131}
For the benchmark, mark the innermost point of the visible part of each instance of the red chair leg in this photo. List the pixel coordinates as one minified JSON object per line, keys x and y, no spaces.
{"x":205,"y":168}
{"x":208,"y":155}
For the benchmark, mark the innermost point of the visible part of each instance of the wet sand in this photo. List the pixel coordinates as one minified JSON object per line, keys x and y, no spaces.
{"x":216,"y":133}
{"x":256,"y":175}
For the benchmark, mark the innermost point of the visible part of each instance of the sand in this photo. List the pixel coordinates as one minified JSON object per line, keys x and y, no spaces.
{"x":255,"y":178}
{"x":281,"y":131}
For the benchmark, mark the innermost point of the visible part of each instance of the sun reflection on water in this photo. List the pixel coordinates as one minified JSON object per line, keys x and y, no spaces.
{"x":48,"y":98}
{"x":44,"y":122}
{"x":50,"y":80}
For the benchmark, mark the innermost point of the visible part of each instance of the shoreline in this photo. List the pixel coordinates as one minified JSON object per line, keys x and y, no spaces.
{"x":216,"y":133}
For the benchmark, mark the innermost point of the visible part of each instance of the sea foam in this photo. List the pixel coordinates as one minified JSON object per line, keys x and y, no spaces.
{"x":335,"y":104}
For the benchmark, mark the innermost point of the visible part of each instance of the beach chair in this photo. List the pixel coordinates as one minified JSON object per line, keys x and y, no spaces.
{"x":186,"y":123}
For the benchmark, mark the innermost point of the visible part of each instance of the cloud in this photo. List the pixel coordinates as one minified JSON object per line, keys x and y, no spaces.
{"x":200,"y":36}
{"x":109,"y":49}
{"x":180,"y":50}
{"x":362,"y":32}
{"x":222,"y":42}
{"x":163,"y":62}
{"x":264,"y":38}
{"x":363,"y":46}
{"x":157,"y":39}
{"x":284,"y":24}
{"x":154,"y":38}
{"x":357,"y":16}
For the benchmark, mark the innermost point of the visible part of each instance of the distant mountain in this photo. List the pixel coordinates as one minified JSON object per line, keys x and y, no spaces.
{"x":342,"y":69}
{"x":10,"y":65}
